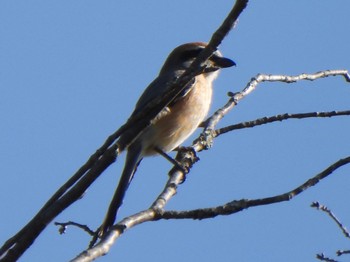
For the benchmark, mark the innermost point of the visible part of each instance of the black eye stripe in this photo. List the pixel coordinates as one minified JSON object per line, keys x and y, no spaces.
{"x":190,"y":54}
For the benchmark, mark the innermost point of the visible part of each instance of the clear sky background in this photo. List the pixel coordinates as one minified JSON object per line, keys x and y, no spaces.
{"x":71,"y":72}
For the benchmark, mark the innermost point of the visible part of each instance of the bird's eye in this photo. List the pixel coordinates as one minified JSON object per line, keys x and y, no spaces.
{"x":190,"y":54}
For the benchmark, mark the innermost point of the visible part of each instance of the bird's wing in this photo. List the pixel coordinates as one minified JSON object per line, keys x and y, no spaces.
{"x":157,"y":89}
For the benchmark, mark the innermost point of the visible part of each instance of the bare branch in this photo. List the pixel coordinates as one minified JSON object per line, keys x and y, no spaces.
{"x":291,"y":79}
{"x":253,"y":83}
{"x":342,"y":252}
{"x":237,"y":206}
{"x":63,"y":227}
{"x":103,"y":247}
{"x":325,"y":209}
{"x":278,"y":118}
{"x":323,"y":257}
{"x":329,"y":212}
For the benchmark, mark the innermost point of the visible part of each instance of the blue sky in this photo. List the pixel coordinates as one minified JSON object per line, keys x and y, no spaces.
{"x":71,"y":72}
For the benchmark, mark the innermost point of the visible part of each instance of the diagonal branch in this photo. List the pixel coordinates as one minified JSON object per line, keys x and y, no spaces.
{"x":329,"y":212}
{"x":325,"y":209}
{"x":102,"y":248}
{"x":237,"y":206}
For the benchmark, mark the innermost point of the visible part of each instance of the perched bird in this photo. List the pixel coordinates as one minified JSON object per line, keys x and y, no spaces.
{"x":176,"y":122}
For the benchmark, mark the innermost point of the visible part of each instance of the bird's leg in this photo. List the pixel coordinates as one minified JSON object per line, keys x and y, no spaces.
{"x":171,"y":160}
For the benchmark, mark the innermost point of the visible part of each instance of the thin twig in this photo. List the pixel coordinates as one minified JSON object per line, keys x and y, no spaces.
{"x":323,"y":257}
{"x":329,"y":212}
{"x":278,"y":118}
{"x":63,"y":227}
{"x":342,"y":252}
{"x":325,"y":209}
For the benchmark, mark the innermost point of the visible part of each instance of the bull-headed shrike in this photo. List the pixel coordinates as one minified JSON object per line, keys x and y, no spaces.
{"x":176,"y":122}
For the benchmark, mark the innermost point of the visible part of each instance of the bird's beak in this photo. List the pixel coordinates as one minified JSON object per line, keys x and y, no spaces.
{"x":222,"y":62}
{"x":217,"y":62}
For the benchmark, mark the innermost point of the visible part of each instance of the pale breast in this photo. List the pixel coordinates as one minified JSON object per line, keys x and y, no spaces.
{"x":181,"y":120}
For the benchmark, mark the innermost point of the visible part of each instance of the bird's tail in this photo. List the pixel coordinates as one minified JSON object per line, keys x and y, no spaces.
{"x":133,"y":158}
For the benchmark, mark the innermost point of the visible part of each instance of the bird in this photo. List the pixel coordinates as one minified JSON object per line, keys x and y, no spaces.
{"x":174,"y":123}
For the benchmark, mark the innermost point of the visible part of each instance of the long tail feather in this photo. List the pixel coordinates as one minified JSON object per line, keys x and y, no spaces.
{"x":133,"y":158}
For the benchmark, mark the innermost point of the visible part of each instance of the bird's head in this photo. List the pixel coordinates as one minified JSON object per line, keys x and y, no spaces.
{"x":183,"y":56}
